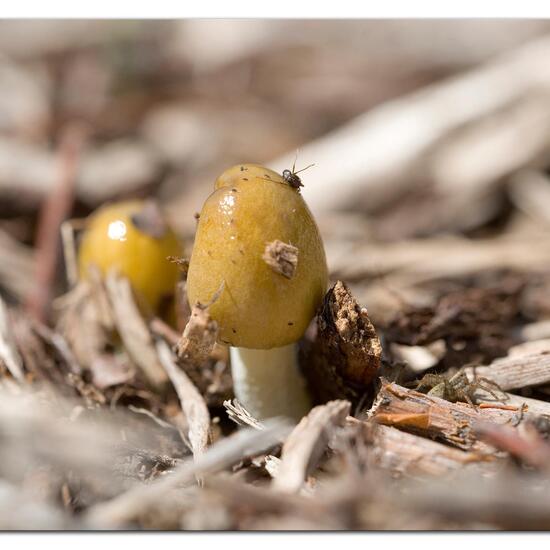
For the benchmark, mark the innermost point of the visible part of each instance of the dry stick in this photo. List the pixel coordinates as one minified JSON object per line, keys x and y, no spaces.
{"x":379,"y":148}
{"x":9,"y":354}
{"x":515,"y":372}
{"x":433,"y":417}
{"x":192,"y":403}
{"x":124,"y":508}
{"x":133,"y":330}
{"x":54,"y":211}
{"x":307,"y":442}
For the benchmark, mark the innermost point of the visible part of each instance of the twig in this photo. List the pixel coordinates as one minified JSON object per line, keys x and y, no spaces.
{"x":192,"y":403}
{"x":54,"y":211}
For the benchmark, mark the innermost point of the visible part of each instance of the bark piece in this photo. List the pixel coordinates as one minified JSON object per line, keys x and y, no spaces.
{"x":306,"y":444}
{"x":409,"y":454}
{"x":452,"y":423}
{"x":345,"y":355}
{"x":281,"y":257}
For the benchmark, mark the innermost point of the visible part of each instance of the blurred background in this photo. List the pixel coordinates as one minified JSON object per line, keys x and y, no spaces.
{"x":418,"y":129}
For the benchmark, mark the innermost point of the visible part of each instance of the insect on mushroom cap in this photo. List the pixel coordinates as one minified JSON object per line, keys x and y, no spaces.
{"x":133,"y":238}
{"x":254,"y":212}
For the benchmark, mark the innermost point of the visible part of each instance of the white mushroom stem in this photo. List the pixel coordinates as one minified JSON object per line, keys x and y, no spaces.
{"x":268,"y":382}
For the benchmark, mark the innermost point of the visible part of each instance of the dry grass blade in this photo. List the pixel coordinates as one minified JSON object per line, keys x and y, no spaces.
{"x":133,"y":330}
{"x":9,"y":355}
{"x":307,"y":442}
{"x":239,"y":415}
{"x":192,"y":402}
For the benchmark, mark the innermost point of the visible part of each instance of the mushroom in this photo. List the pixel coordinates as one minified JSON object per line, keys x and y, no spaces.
{"x":259,"y":261}
{"x":133,"y":238}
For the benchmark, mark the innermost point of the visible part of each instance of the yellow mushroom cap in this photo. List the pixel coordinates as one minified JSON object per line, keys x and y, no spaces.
{"x":133,"y":239}
{"x":254,"y":304}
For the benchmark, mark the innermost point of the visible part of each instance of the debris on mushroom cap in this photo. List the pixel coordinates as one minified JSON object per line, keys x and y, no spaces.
{"x":260,"y":307}
{"x":281,"y":257}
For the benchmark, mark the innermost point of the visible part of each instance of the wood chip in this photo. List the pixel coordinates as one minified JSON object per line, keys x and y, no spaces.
{"x":306,"y":444}
{"x":199,"y":336}
{"x":281,"y":257}
{"x":133,"y":330}
{"x":409,"y":454}
{"x":192,"y":403}
{"x":345,"y":356}
{"x":451,"y":423}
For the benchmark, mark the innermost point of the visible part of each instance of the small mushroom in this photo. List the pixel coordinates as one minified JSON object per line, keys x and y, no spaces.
{"x":261,"y":311}
{"x":133,"y":238}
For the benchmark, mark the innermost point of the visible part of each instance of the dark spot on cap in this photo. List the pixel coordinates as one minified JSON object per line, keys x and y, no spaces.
{"x":234,"y":331}
{"x":290,"y":323}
